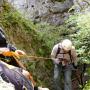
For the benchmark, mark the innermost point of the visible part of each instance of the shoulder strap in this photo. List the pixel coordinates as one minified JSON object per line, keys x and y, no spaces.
{"x":58,"y":50}
{"x":70,"y":55}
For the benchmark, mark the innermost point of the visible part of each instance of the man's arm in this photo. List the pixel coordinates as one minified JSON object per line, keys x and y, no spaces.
{"x":53,"y":55}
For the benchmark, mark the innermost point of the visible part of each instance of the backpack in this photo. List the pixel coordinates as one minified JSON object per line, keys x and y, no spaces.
{"x":3,"y":42}
{"x":68,"y":53}
{"x":15,"y":77}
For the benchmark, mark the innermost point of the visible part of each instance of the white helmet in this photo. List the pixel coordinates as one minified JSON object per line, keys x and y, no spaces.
{"x":66,"y":44}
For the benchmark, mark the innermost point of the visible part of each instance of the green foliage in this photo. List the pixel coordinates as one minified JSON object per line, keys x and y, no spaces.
{"x":51,"y":34}
{"x":87,"y":86}
{"x":22,"y":33}
{"x":82,"y":36}
{"x":17,"y":27}
{"x":80,"y":24}
{"x":10,"y":17}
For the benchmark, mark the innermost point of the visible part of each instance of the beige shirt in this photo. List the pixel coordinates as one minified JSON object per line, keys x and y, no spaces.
{"x":64,"y":55}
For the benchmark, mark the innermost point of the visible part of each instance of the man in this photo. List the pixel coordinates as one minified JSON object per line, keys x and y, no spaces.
{"x":64,"y":57}
{"x":5,"y":47}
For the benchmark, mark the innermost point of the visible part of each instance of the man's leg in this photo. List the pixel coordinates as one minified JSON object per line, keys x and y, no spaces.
{"x":67,"y":78}
{"x":57,"y":75}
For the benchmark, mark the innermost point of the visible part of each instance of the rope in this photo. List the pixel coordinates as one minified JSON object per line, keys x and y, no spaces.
{"x":18,"y":56}
{"x":34,"y":57}
{"x":25,"y":56}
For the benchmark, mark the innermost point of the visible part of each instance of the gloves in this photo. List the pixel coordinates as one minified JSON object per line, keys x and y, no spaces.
{"x":56,"y":61}
{"x":75,"y":66}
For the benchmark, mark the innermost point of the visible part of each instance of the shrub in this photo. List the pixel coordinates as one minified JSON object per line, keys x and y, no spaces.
{"x":81,"y":38}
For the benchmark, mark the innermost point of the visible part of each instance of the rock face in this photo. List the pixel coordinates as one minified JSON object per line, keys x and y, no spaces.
{"x":43,"y":10}
{"x":81,"y":5}
{"x":50,"y":11}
